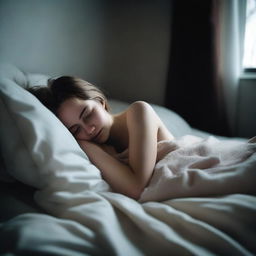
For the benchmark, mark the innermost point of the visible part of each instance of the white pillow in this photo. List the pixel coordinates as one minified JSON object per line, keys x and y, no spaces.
{"x":36,"y":147}
{"x":13,"y":73}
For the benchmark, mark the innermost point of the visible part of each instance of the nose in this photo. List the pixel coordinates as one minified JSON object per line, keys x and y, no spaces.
{"x":89,"y":129}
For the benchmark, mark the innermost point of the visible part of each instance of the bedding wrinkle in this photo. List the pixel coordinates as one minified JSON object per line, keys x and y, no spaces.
{"x":194,"y":230}
{"x":233,"y":215}
{"x":203,"y":167}
{"x":200,"y":200}
{"x":205,"y":163}
{"x":153,"y":224}
{"x":95,"y":212}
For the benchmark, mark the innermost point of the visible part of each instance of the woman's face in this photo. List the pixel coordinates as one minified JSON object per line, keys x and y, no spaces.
{"x":86,"y":119}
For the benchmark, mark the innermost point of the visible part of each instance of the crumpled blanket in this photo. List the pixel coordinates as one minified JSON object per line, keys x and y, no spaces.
{"x":193,"y":166}
{"x":100,"y":222}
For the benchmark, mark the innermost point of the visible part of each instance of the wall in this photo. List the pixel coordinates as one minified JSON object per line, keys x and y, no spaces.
{"x":122,"y":46}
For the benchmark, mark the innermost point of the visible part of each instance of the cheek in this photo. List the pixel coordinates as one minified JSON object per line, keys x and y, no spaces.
{"x":104,"y":117}
{"x":83,"y":135}
{"x":100,"y":117}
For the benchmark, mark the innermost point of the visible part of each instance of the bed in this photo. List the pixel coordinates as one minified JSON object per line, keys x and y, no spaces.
{"x":200,"y":201}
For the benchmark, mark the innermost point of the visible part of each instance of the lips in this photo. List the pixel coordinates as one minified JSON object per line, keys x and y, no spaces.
{"x":96,"y":137}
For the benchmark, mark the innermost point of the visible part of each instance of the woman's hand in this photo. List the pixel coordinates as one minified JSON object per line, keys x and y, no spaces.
{"x":109,"y":149}
{"x":123,"y":156}
{"x":88,"y":146}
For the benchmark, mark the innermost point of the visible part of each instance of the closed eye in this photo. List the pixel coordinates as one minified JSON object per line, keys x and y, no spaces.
{"x":87,"y":114}
{"x":74,"y":129}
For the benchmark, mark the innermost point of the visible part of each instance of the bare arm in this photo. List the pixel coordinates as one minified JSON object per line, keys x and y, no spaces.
{"x":130,"y":179}
{"x":143,"y":128}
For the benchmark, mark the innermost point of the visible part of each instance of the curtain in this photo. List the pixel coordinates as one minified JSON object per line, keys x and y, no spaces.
{"x":232,"y":17}
{"x":198,"y":65}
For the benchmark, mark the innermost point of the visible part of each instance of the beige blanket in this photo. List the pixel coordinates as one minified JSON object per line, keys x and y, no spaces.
{"x":194,"y":166}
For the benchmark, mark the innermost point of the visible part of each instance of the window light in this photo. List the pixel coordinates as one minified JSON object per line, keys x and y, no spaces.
{"x":249,"y":59}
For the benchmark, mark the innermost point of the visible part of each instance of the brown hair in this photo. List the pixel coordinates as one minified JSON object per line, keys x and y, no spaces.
{"x":66,"y":87}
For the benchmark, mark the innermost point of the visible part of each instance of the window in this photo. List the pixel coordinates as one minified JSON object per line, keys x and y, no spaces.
{"x":249,"y":60}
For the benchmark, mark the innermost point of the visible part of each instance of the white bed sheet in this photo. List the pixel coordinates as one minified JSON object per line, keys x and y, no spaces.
{"x":87,"y":222}
{"x":112,"y":224}
{"x":73,"y":218}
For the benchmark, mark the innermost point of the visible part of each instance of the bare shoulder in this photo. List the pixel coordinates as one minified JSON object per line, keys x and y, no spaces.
{"x":139,"y":109}
{"x":141,"y":114}
{"x":140,"y":104}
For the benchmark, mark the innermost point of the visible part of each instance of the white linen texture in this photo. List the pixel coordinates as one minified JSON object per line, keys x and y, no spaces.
{"x":200,"y":200}
{"x":36,"y":147}
{"x":194,"y":166}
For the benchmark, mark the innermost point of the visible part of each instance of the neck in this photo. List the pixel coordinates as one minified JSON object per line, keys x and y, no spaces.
{"x":118,"y":134}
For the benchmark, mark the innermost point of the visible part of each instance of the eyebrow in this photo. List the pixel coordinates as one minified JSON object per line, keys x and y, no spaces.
{"x":82,"y":112}
{"x":79,"y":118}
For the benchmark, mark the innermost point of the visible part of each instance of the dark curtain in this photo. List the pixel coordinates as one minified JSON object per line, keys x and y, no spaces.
{"x":193,"y":87}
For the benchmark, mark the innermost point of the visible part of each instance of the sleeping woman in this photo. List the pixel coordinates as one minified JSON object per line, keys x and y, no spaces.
{"x":123,"y":146}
